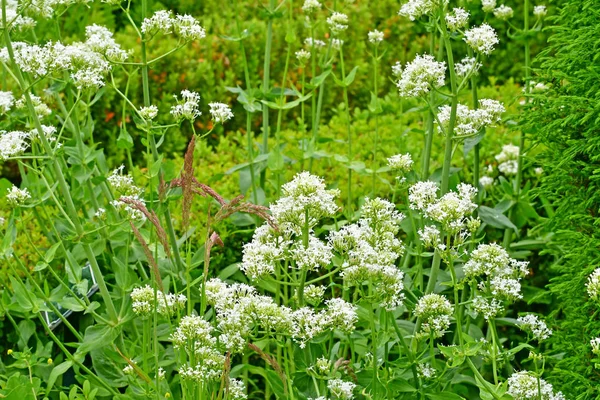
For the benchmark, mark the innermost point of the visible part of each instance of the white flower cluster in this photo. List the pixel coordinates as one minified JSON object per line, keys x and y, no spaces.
{"x":459,"y":18}
{"x":188,"y":107}
{"x":14,"y":20}
{"x":184,"y":26}
{"x":533,"y":324}
{"x":220,"y":112}
{"x":508,"y":159}
{"x":425,"y":371}
{"x":237,"y":390}
{"x":311,"y":6}
{"x":524,"y":385}
{"x":466,"y":67}
{"x":337,"y":22}
{"x":401,"y":162}
{"x":540,"y":11}
{"x":100,"y":40}
{"x":417,"y":8}
{"x":375,"y":37}
{"x":149,"y":113}
{"x":593,"y":284}
{"x":340,"y":389}
{"x":420,"y":76}
{"x":316,"y":43}
{"x":435,"y":311}
{"x":482,"y":39}
{"x":166,"y":304}
{"x":303,"y":56}
{"x":369,"y":249}
{"x":503,"y":12}
{"x":488,"y":308}
{"x":6,"y":101}
{"x":17,"y":197}
{"x":595,"y":343}
{"x":488,"y":5}
{"x":12,"y":144}
{"x":486,"y":181}
{"x":123,"y":183}
{"x":48,"y":131}
{"x":41,"y":109}
{"x":468,"y":121}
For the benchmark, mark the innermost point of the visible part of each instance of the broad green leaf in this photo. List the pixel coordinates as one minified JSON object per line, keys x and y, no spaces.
{"x":97,"y":336}
{"x":57,"y":371}
{"x":495,"y":218}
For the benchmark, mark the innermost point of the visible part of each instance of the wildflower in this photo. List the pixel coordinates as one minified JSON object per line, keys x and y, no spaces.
{"x":340,"y":389}
{"x":595,"y":343}
{"x":451,"y":209}
{"x":457,"y":20}
{"x":540,"y":11}
{"x":421,"y":75}
{"x":86,"y":66}
{"x":539,"y":171}
{"x":237,"y":389}
{"x":314,"y":43}
{"x":209,"y":366}
{"x":6,"y":101}
{"x":375,"y":37}
{"x":532,"y":324}
{"x":100,"y":40}
{"x":149,"y":113}
{"x":482,"y":39}
{"x":486,"y":181}
{"x":425,"y":371}
{"x":402,"y":162}
{"x":468,"y":121}
{"x":337,"y":44}
{"x":488,"y":5}
{"x":503,"y":12}
{"x":397,"y":69}
{"x":488,"y":308}
{"x":166,"y":303}
{"x":188,"y":107}
{"x":129,"y":370}
{"x":422,"y":194}
{"x":193,"y":328}
{"x":49,"y":133}
{"x":305,"y":201}
{"x":41,"y":109}
{"x":132,"y":213}
{"x":488,"y":259}
{"x":506,"y":288}
{"x":50,"y":362}
{"x":311,"y":6}
{"x":122,"y":183}
{"x":508,"y":159}
{"x":33,"y":59}
{"x":188,"y":28}
{"x":161,"y":373}
{"x":12,"y":144}
{"x":340,"y":315}
{"x":220,"y":112}
{"x":593,"y":284}
{"x":17,"y":197}
{"x":337,"y":22}
{"x":306,"y":325}
{"x":14,"y":20}
{"x":261,"y":254}
{"x":316,"y":254}
{"x":430,"y":236}
{"x":314,"y":294}
{"x":466,"y":67}
{"x":435,"y":311}
{"x":417,"y":8}
{"x":160,"y":22}
{"x":524,"y":385}
{"x":303,"y":56}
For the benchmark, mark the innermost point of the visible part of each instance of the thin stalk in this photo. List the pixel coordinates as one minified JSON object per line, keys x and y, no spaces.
{"x":430,"y":118}
{"x":266,"y":83}
{"x":376,"y":141}
{"x":349,"y":133}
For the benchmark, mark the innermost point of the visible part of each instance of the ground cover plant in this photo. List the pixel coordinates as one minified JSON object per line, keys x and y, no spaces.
{"x":292,"y":200}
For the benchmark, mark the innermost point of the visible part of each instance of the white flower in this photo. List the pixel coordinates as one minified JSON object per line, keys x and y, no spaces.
{"x":188,"y":28}
{"x":100,"y":40}
{"x":488,"y":5}
{"x":506,"y":288}
{"x":523,"y":385}
{"x":149,"y":113}
{"x":188,"y":107}
{"x":430,"y":236}
{"x":401,"y":162}
{"x":17,"y":197}
{"x":316,"y":43}
{"x":6,"y":101}
{"x":49,"y":133}
{"x":237,"y":389}
{"x":337,"y":44}
{"x":435,"y":311}
{"x":340,"y":315}
{"x":160,"y":22}
{"x":100,"y":213}
{"x":593,"y":284}
{"x":468,"y":121}
{"x":493,"y":261}
{"x":539,"y":171}
{"x":261,"y":254}
{"x":129,"y":370}
{"x":311,"y":6}
{"x":123,"y":183}
{"x":595,"y":343}
{"x":193,"y":328}
{"x":503,"y":12}
{"x":220,"y":112}
{"x":316,"y":254}
{"x":508,"y":159}
{"x":12,"y":144}
{"x":458,"y":19}
{"x":314,"y":294}
{"x":33,"y":59}
{"x":482,"y":39}
{"x":532,"y":324}
{"x":375,"y":37}
{"x":488,"y":308}
{"x":540,"y":11}
{"x":486,"y":181}
{"x":340,"y":389}
{"x":303,"y":56}
{"x":420,"y":76}
{"x":337,"y":22}
{"x":41,"y":109}
{"x":422,"y":194}
{"x":417,"y":8}
{"x":452,"y":208}
{"x":166,"y":304}
{"x":131,"y":213}
{"x":425,"y":371}
{"x":14,"y":20}
{"x":86,"y":66}
{"x":466,"y":67}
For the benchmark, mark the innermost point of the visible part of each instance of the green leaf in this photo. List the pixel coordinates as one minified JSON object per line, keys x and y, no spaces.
{"x":444,"y":396}
{"x":97,"y":336}
{"x":375,"y":105}
{"x":495,"y":218}
{"x":276,"y":384}
{"x":155,"y":168}
{"x":56,"y":372}
{"x":350,"y":78}
{"x":71,"y":304}
{"x":318,"y":80}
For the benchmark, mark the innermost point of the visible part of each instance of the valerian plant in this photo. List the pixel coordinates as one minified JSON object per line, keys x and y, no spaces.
{"x":406,"y":297}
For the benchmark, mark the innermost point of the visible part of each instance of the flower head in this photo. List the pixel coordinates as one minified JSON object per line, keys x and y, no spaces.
{"x":149,"y":113}
{"x":533,"y":324}
{"x":311,"y":6}
{"x":401,"y":162}
{"x":342,"y":390}
{"x":375,"y":37}
{"x":417,"y":8}
{"x":12,"y":144}
{"x":420,"y":76}
{"x":435,"y":311}
{"x":220,"y":112}
{"x":488,"y":5}
{"x":593,"y":284}
{"x":187,"y":107}
{"x":459,"y":18}
{"x":337,"y":22}
{"x":524,"y":385}
{"x":6,"y":101}
{"x":482,"y":39}
{"x":17,"y":197}
{"x":503,"y":12}
{"x":540,"y":11}
{"x":303,"y":56}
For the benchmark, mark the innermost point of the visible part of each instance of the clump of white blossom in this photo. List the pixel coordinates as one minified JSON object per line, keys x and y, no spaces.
{"x":14,"y":20}
{"x":470,"y":121}
{"x":220,"y":112}
{"x":425,"y":371}
{"x":488,"y":5}
{"x":595,"y":343}
{"x":466,"y":67}
{"x":303,"y":56}
{"x":435,"y":312}
{"x":420,"y":76}
{"x":533,"y":324}
{"x":338,"y":22}
{"x":508,"y":159}
{"x":459,"y":18}
{"x":12,"y":144}
{"x":524,"y":385}
{"x":17,"y":197}
{"x":7,"y":99}
{"x":482,"y":39}
{"x":311,"y":6}
{"x":375,"y":37}
{"x":401,"y":162}
{"x":184,"y":26}
{"x":314,"y":43}
{"x":486,"y":181}
{"x":40,"y":108}
{"x":503,"y":12}
{"x":188,"y":107}
{"x":340,"y":389}
{"x":166,"y":304}
{"x":417,"y":8}
{"x":149,"y":113}
{"x":540,"y":11}
{"x":593,"y":284}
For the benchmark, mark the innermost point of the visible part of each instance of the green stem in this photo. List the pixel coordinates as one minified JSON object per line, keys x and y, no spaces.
{"x":267,"y":83}
{"x":349,"y":133}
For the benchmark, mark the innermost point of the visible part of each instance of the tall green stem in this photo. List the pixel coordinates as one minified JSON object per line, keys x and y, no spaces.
{"x":267,"y":82}
{"x":349,"y":133}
